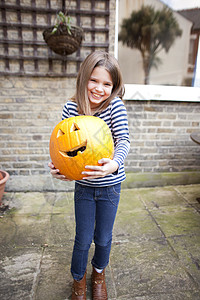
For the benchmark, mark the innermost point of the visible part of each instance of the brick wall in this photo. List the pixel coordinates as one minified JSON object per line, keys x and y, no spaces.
{"x":30,"y":108}
{"x":160,"y":136}
{"x":159,"y":131}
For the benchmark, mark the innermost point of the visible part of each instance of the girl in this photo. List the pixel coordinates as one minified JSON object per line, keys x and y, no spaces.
{"x":99,"y":91}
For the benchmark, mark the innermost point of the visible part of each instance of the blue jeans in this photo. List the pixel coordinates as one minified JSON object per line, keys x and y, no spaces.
{"x":95,"y":212}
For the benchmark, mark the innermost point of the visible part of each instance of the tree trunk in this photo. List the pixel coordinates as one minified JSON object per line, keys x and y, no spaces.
{"x":146,"y":77}
{"x":146,"y":70}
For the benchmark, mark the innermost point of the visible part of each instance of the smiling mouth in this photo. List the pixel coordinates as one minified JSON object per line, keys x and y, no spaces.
{"x":74,"y":152}
{"x":97,"y":96}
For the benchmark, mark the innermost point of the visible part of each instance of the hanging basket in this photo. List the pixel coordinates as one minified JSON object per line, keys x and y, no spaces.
{"x":62,"y":42}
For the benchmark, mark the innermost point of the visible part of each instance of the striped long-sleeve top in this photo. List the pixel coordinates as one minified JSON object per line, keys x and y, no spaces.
{"x":115,"y":116}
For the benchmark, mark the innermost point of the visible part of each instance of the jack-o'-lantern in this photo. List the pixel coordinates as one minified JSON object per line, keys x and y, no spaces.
{"x":79,"y":141}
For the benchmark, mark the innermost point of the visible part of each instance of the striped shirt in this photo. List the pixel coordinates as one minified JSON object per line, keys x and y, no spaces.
{"x":115,"y":116}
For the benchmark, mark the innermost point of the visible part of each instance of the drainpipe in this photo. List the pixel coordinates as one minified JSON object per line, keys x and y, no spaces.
{"x":196,"y":81}
{"x":116,"y":29}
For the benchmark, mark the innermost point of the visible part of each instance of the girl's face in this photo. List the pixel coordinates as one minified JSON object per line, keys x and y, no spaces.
{"x":99,"y":86}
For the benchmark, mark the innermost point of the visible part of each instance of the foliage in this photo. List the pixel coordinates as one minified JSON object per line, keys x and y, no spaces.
{"x":61,"y":19}
{"x":150,"y":31}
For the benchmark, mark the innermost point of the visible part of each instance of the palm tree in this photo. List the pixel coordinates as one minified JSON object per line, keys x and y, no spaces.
{"x":150,"y":31}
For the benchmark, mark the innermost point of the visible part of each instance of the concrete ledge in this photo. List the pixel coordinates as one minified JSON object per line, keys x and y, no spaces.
{"x":134,"y":180}
{"x":138,"y":180}
{"x":37,"y":183}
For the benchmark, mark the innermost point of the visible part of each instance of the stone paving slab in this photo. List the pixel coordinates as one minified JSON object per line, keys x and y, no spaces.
{"x":187,"y":249}
{"x":155,"y":253}
{"x":177,"y":220}
{"x":170,"y":296}
{"x":54,"y":279}
{"x":18,"y":272}
{"x":20,"y":231}
{"x":149,"y":268}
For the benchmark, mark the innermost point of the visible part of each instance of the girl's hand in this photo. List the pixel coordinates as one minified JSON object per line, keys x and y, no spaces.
{"x":55,"y":173}
{"x":109,"y":166}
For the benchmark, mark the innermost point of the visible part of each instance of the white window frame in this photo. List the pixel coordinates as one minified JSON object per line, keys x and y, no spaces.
{"x":161,"y":93}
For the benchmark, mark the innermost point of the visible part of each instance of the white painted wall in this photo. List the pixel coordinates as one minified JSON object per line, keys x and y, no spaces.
{"x":173,"y":70}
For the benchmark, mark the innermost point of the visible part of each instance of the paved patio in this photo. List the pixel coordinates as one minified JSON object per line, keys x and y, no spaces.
{"x":155,"y":253}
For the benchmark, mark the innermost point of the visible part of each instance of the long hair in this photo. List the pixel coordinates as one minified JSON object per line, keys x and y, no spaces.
{"x":93,"y":60}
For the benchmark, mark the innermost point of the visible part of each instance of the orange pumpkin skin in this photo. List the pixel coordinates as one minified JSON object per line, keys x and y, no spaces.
{"x":79,"y":141}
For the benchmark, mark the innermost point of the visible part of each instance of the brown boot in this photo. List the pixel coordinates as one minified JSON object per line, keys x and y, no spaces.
{"x":99,"y":291}
{"x":79,"y":289}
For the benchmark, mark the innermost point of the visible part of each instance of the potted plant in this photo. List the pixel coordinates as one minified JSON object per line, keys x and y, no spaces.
{"x":3,"y":179}
{"x":63,"y":38}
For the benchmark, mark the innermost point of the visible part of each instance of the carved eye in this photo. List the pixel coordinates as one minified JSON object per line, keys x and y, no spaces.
{"x":74,"y":127}
{"x":60,"y":133}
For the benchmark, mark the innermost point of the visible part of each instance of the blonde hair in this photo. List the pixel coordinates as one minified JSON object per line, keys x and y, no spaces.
{"x":93,"y":60}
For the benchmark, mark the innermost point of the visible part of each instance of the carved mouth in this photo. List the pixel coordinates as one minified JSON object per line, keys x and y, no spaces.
{"x":74,"y":152}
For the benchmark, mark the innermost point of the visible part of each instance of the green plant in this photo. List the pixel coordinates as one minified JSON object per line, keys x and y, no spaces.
{"x":61,"y":19}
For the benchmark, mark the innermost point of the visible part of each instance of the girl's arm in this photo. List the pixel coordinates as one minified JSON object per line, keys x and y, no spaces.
{"x":120,"y":131}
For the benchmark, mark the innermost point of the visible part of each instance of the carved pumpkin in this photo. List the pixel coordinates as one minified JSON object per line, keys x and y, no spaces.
{"x":79,"y":141}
